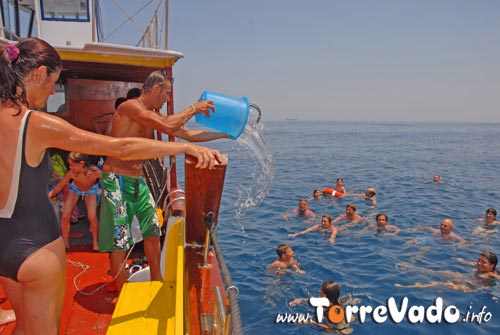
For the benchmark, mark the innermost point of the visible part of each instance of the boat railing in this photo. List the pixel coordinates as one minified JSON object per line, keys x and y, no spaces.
{"x":233,"y":319}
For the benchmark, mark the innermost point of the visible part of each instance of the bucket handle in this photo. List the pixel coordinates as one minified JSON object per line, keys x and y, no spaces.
{"x":257,"y":108}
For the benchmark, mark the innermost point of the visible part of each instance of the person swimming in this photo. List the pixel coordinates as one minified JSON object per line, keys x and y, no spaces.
{"x":286,"y":259}
{"x":325,"y":226}
{"x":382,"y":225}
{"x":302,"y":211}
{"x":485,"y":274}
{"x":317,"y":195}
{"x":329,"y":289}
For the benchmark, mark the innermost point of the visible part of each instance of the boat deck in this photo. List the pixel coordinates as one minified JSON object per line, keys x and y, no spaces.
{"x":87,"y":304}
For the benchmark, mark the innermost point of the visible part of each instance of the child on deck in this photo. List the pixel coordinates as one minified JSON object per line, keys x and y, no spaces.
{"x":83,"y":183}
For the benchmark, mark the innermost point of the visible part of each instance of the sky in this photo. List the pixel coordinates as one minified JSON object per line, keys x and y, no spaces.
{"x":359,"y":60}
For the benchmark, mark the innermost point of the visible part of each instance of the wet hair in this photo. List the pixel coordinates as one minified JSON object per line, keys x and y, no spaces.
{"x":382,"y":214}
{"x":281,"y":249}
{"x":134,"y":92}
{"x":492,"y":211}
{"x":119,"y":101}
{"x":328,"y":216}
{"x":78,"y":157}
{"x":491,"y":257}
{"x":340,"y":179}
{"x":332,"y":291}
{"x":353,"y":206}
{"x":16,"y":61}
{"x":155,"y":78}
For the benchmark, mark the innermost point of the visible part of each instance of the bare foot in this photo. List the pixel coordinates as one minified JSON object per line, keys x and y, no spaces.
{"x":6,"y":316}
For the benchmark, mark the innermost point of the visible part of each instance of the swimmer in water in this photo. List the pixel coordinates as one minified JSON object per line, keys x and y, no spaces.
{"x":490,"y":217}
{"x":485,"y":269}
{"x":489,"y":220}
{"x":331,"y":290}
{"x":369,"y":195}
{"x":339,"y":186}
{"x":444,"y":231}
{"x":350,"y":216}
{"x":286,"y":259}
{"x":325,"y":226}
{"x":382,"y":225}
{"x":302,"y":211}
{"x":317,"y":195}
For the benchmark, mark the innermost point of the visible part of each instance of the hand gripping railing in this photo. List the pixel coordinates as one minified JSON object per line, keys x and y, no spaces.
{"x":231,"y":290}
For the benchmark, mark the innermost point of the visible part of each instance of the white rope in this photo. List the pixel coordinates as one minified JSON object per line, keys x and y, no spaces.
{"x":86,"y":267}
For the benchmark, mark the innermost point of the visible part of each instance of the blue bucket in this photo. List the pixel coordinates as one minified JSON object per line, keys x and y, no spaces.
{"x":231,"y":114}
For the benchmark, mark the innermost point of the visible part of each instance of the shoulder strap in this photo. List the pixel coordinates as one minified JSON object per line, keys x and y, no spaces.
{"x":8,"y":210}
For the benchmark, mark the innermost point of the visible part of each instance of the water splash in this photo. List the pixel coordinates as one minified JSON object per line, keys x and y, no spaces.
{"x":263,"y":169}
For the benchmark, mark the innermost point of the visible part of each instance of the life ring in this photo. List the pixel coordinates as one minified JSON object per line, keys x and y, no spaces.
{"x":332,"y":192}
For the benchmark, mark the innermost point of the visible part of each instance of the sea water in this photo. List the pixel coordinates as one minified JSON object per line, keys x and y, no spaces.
{"x":399,"y":159}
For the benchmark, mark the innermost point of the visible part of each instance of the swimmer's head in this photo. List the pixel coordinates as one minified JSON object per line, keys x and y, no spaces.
{"x":331,"y":290}
{"x":446,"y":226}
{"x":326,"y":221}
{"x":303,"y":204}
{"x":370,"y":192}
{"x":491,"y":260}
{"x":282,"y":249}
{"x":317,"y":194}
{"x":436,"y":179}
{"x":381,"y":219}
{"x":350,"y":207}
{"x":491,"y":211}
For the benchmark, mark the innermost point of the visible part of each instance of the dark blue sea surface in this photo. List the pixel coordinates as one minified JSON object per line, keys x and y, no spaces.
{"x":399,"y":160}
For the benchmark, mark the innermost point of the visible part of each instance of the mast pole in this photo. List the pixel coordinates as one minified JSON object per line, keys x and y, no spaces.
{"x":166,"y":24}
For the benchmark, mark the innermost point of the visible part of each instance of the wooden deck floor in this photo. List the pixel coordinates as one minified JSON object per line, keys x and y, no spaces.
{"x":84,"y":312}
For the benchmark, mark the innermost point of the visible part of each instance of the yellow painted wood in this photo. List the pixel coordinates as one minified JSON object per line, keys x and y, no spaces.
{"x":155,"y":307}
{"x":117,"y":59}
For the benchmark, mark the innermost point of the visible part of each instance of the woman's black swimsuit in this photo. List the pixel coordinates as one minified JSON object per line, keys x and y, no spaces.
{"x":33,"y":223}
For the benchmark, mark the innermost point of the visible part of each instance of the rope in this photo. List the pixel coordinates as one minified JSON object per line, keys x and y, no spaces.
{"x":86,"y":267}
{"x":129,"y":18}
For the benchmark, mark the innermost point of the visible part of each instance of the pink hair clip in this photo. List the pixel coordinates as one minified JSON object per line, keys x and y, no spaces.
{"x":13,"y":51}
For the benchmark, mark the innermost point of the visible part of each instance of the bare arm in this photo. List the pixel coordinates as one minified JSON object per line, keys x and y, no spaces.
{"x":297,"y":301}
{"x":198,"y":135}
{"x":394,"y":228}
{"x":338,"y":218}
{"x":333,"y":235}
{"x":61,"y":184}
{"x":169,"y":124}
{"x":48,"y":131}
{"x":415,"y":229}
{"x":370,"y":226}
{"x":305,"y":231}
{"x":463,"y":261}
